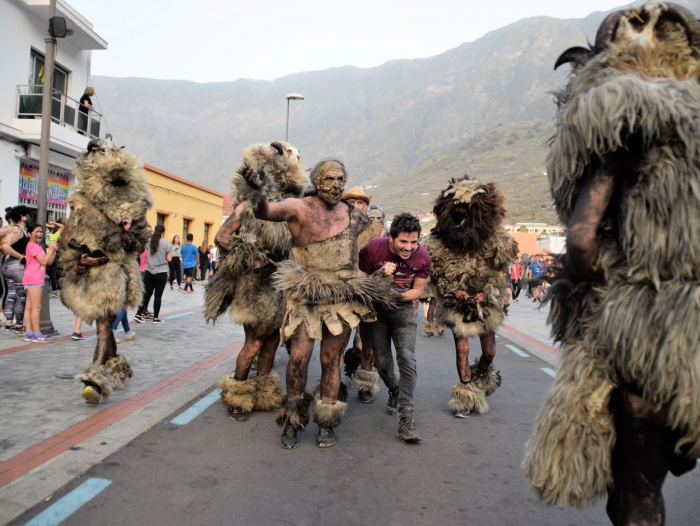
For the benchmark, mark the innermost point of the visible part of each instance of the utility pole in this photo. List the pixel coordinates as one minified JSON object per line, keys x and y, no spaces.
{"x":291,"y":96}
{"x":45,"y":324}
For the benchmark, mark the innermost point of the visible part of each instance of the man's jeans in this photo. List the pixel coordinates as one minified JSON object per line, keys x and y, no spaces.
{"x":399,"y":326}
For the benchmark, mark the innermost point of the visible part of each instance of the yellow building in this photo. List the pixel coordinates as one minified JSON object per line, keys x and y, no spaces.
{"x":183,"y":206}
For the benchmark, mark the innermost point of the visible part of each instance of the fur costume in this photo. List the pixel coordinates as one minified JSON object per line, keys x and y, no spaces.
{"x":243,"y":280}
{"x":468,"y":397}
{"x":326,"y":414}
{"x":324,"y":285}
{"x":258,"y":393}
{"x":366,"y":381}
{"x":97,"y":375}
{"x":639,"y":319}
{"x":109,"y":181}
{"x":295,"y":411}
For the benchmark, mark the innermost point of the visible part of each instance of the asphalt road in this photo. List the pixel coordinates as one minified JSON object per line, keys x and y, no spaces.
{"x":217,"y":471}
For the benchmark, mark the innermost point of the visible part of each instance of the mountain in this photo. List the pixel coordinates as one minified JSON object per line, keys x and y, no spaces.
{"x":381,"y":121}
{"x":511,"y":154}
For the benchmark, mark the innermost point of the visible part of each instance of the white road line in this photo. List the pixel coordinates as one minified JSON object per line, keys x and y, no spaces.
{"x":517,"y":351}
{"x":549,"y":371}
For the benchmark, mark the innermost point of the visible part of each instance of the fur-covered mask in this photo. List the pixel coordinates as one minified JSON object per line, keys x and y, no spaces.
{"x":468,"y":212}
{"x":329,"y":179}
{"x":377,"y":215}
{"x":279,"y":166}
{"x":112,"y":180}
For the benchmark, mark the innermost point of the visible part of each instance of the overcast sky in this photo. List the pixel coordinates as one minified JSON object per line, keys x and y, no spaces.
{"x":221,"y":40}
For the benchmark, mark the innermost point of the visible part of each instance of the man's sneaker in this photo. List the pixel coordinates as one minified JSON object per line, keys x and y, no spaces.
{"x":506,"y":307}
{"x":40,"y":338}
{"x":366,"y":397}
{"x":91,"y":393}
{"x":407,"y":430}
{"x":462,"y":414}
{"x":129,"y":336}
{"x":157,"y":320}
{"x":325,"y":437}
{"x":139,"y":319}
{"x":288,"y":440}
{"x":78,"y":336}
{"x":392,"y":405}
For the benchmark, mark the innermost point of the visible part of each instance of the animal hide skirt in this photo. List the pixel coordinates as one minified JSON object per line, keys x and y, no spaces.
{"x":467,"y":319}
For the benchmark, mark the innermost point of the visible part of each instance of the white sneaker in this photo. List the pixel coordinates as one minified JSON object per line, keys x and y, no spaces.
{"x":129,"y":336}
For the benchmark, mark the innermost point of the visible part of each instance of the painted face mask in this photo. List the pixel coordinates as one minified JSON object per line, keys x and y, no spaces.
{"x":330,"y":182}
{"x":376,"y":215}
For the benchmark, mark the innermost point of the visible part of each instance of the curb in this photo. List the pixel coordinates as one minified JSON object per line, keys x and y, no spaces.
{"x":545,"y":352}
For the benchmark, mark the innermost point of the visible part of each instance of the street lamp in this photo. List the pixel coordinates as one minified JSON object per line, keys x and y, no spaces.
{"x":291,"y":96}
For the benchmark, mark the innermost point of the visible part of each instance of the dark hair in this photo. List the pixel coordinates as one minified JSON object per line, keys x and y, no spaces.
{"x":155,"y":238}
{"x":33,"y":227}
{"x":190,"y":237}
{"x":17,"y":212}
{"x":404,"y":222}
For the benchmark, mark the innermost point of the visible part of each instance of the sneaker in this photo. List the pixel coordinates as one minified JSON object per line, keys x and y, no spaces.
{"x":28,"y":336}
{"x":78,"y":336}
{"x":407,"y":430}
{"x":139,"y":319}
{"x":185,"y":291}
{"x":54,"y":294}
{"x":157,"y":320}
{"x":392,"y":405}
{"x":147,"y":315}
{"x":237,"y":414}
{"x":129,"y":336}
{"x":19,"y":330}
{"x":171,"y":287}
{"x":91,"y":393}
{"x":505,"y":309}
{"x":462,"y":414}
{"x":40,"y":338}
{"x":325,"y":437}
{"x":179,"y":288}
{"x":9,"y":328}
{"x":366,"y":397}
{"x":117,"y":340}
{"x":289,"y":440}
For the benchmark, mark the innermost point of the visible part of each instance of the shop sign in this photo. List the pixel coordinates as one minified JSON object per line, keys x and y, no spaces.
{"x":57,"y":193}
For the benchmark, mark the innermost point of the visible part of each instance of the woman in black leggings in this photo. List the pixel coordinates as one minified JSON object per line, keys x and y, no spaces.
{"x":156,"y":276}
{"x":14,"y":245}
{"x":175,"y":264}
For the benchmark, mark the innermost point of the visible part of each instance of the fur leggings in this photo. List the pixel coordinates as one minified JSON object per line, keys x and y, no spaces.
{"x":16,"y":297}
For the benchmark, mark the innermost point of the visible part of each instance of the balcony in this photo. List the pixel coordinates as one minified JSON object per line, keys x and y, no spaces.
{"x":65,"y":111}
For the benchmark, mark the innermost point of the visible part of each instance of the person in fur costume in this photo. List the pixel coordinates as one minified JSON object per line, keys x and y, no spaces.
{"x":250,"y":250}
{"x":470,"y":254}
{"x":326,"y":294}
{"x":624,"y":169}
{"x":106,"y":230}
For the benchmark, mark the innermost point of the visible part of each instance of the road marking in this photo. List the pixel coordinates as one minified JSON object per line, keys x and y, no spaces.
{"x":549,"y":371}
{"x":546,"y":341}
{"x":193,"y":412}
{"x":65,"y":507}
{"x":179,"y":315}
{"x":94,"y":336}
{"x":517,"y":351}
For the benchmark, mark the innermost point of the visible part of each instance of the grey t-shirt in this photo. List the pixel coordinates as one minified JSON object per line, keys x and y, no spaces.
{"x":156,"y":262}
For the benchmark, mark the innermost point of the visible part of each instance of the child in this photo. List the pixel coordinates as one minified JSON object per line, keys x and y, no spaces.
{"x":33,"y":281}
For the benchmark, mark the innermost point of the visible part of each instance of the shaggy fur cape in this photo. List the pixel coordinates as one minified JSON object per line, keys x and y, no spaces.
{"x":109,"y":181}
{"x":242,"y":282}
{"x":641,"y":319}
{"x":468,"y":249}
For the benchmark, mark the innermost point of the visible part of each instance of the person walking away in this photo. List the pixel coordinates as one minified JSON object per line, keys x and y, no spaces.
{"x":400,"y":256}
{"x":175,"y":263}
{"x":56,"y":229}
{"x":159,"y":255}
{"x":516,"y":276}
{"x":15,"y":246}
{"x":33,"y":281}
{"x":203,"y":261}
{"x":124,"y":320}
{"x":190,"y":262}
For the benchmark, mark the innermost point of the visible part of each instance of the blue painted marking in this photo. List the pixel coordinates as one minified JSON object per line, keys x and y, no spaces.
{"x":549,"y":371}
{"x":545,"y":341}
{"x":65,"y":507}
{"x":94,"y":336}
{"x":193,"y":412}
{"x":517,"y":351}
{"x":179,"y":315}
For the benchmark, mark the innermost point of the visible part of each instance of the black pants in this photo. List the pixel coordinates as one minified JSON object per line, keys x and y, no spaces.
{"x":175,"y":271}
{"x":516,"y":289}
{"x":51,"y":271}
{"x":153,"y":282}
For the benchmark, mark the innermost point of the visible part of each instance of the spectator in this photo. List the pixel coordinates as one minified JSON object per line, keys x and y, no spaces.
{"x":159,"y":255}
{"x":176,"y":263}
{"x":56,"y":229}
{"x":85,"y":108}
{"x":78,"y":335}
{"x":33,"y":281}
{"x":14,"y":246}
{"x":190,"y":262}
{"x":536,"y":273}
{"x":214,"y":251}
{"x":203,"y":261}
{"x":516,"y":276}
{"x":124,"y":320}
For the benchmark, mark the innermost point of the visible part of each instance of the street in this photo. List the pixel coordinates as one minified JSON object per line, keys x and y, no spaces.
{"x":211,"y":470}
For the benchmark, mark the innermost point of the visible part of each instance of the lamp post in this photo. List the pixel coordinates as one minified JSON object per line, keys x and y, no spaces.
{"x":291,"y":96}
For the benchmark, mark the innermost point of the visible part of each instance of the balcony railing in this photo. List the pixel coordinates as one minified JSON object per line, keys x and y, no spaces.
{"x":64,"y":111}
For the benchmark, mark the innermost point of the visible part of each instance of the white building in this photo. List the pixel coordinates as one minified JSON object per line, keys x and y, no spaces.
{"x":23,"y":28}
{"x":554,"y":242}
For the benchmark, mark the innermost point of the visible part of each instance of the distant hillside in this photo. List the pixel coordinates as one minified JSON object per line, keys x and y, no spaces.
{"x":511,"y":154}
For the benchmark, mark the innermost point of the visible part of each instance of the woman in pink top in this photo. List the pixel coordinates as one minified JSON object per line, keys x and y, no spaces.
{"x":33,"y":281}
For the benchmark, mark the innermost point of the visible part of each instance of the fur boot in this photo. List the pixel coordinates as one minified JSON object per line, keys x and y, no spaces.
{"x":429,"y":329}
{"x":328,"y":414}
{"x":96,"y":375}
{"x":352,"y":359}
{"x":342,"y":392}
{"x":366,"y":380}
{"x":237,"y":393}
{"x":294,"y":411}
{"x":468,"y":397}
{"x":120,"y":371}
{"x":269,"y":392}
{"x":488,"y":381}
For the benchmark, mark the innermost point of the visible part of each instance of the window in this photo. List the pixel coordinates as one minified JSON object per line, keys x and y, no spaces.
{"x":185,"y":229}
{"x":160,"y":219}
{"x":60,"y":75}
{"x":206,"y":233}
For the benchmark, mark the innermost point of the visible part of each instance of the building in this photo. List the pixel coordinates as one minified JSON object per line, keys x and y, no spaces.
{"x":23,"y":28}
{"x":536,"y":228}
{"x":183,"y":206}
{"x":553,"y":243}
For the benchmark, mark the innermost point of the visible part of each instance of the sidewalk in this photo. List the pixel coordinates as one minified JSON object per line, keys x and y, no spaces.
{"x":527,"y":327}
{"x":48,"y":435}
